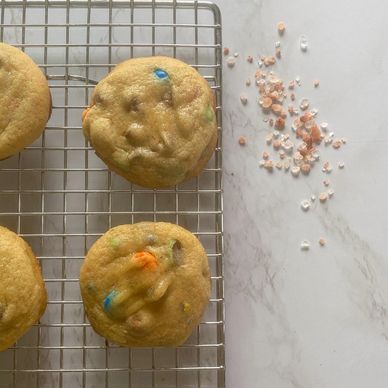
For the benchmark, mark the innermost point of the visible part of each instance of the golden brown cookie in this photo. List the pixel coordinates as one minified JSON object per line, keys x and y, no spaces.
{"x":145,"y":284}
{"x":25,"y":101}
{"x":152,"y":120}
{"x":23,"y":297}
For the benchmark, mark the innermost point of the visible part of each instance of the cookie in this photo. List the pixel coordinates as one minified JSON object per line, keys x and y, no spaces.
{"x":23,"y":297}
{"x":152,"y":120}
{"x":25,"y":102}
{"x":145,"y":284}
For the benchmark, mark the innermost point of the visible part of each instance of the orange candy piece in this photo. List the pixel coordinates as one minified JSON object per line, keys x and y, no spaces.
{"x":147,"y":260}
{"x":84,"y":113}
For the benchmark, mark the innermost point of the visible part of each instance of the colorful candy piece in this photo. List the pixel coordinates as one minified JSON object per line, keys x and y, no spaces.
{"x":208,"y":113}
{"x":147,"y":260}
{"x":161,"y":74}
{"x":85,"y":112}
{"x":115,"y":242}
{"x":108,"y":299}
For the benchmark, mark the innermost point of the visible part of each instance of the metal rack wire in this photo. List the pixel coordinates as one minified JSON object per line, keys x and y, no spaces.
{"x":60,"y":197}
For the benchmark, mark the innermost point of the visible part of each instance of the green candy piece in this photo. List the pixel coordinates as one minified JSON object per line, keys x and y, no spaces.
{"x":174,"y":248}
{"x":208,"y":113}
{"x":171,"y":244}
{"x":115,"y":242}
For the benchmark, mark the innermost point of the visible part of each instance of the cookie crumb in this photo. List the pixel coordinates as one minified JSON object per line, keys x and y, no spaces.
{"x":326,"y":182}
{"x":316,"y":83}
{"x":322,"y":242}
{"x":249,"y":59}
{"x":330,"y":193}
{"x":226,"y":51}
{"x":235,"y":55}
{"x":242,"y":140}
{"x":265,"y":155}
{"x":341,"y":165}
{"x":313,"y":198}
{"x":248,"y":82}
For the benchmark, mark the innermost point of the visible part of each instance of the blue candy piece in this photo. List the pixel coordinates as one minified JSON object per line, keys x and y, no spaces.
{"x":108,"y":299}
{"x":161,"y":74}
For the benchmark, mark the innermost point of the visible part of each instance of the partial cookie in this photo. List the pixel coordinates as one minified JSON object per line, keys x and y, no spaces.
{"x":23,"y":297}
{"x":25,"y":101}
{"x":145,"y":284}
{"x":152,"y":120}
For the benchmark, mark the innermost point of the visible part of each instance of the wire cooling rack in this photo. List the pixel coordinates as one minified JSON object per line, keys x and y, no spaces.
{"x":60,"y":197}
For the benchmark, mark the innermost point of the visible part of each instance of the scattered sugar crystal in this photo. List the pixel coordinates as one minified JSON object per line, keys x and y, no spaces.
{"x":305,"y":245}
{"x":303,"y":43}
{"x":243,"y":99}
{"x":231,"y":61}
{"x":323,"y":196}
{"x":295,"y":171}
{"x":305,"y":205}
{"x":324,"y":126}
{"x":304,"y":104}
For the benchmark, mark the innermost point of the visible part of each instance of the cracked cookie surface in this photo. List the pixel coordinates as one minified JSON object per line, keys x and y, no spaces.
{"x":25,"y":101}
{"x":23,"y":297}
{"x":145,"y":284}
{"x":152,"y":120}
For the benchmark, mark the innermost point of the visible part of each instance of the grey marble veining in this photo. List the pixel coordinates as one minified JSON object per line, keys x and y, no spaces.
{"x":318,"y":318}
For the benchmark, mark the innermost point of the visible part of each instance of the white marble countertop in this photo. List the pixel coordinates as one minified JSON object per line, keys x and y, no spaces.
{"x":318,"y":318}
